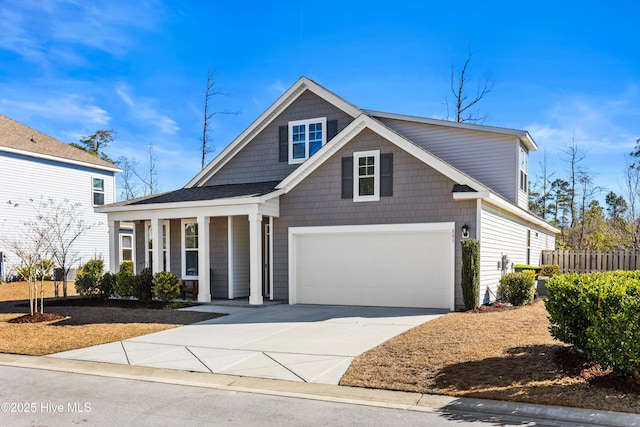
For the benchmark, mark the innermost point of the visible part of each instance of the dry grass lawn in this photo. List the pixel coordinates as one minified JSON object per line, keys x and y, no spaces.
{"x":81,"y":327}
{"x":503,"y":355}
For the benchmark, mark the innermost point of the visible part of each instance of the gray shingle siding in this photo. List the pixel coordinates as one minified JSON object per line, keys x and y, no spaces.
{"x":219,"y":257}
{"x":420,"y":195}
{"x":259,"y":160}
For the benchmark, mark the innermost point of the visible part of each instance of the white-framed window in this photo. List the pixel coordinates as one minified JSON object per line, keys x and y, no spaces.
{"x":126,"y":247}
{"x":524,"y":170}
{"x":97,"y":185}
{"x":148,"y":245}
{"x":366,"y":176}
{"x":189,"y":249}
{"x":306,"y":137}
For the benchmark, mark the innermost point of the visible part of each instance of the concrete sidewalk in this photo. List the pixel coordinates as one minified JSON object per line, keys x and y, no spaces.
{"x":304,"y":343}
{"x":455,"y":409}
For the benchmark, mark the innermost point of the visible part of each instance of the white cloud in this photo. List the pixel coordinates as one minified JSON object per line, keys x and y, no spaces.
{"x":143,"y":109}
{"x":65,"y":107}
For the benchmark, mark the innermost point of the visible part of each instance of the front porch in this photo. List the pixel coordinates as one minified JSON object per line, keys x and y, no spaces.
{"x":224,"y":245}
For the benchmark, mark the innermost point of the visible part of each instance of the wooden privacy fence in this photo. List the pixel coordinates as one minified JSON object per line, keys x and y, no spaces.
{"x":586,"y":261}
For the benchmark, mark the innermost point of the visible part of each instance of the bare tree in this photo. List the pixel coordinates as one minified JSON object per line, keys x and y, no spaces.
{"x":128,"y":175}
{"x":64,"y":223}
{"x":574,"y":155}
{"x":29,"y":243}
{"x":206,"y":127}
{"x":540,"y":197}
{"x":150,"y":180}
{"x":466,"y":99}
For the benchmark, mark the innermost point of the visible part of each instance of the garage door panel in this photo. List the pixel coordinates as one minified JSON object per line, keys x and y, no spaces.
{"x":380,"y":266}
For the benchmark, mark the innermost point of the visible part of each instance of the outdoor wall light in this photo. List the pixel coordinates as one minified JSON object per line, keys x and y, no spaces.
{"x":465,"y":231}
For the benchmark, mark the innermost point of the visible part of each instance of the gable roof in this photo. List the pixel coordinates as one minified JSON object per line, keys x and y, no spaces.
{"x":303,"y":84}
{"x":523,"y":135}
{"x":16,"y":137}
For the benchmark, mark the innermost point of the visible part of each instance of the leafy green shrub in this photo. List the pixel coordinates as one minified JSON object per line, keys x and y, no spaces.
{"x":599,"y":314}
{"x":127,"y":267}
{"x":470,"y":273}
{"x":123,"y":285}
{"x":516,"y":288}
{"x":94,"y":267}
{"x":550,"y":270}
{"x":531,"y":273}
{"x":88,"y":280}
{"x":166,"y":286}
{"x":143,"y":286}
{"x":106,"y":285}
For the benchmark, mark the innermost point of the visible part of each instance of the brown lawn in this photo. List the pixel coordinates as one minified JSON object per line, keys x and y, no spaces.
{"x":81,"y":326}
{"x":504,"y":355}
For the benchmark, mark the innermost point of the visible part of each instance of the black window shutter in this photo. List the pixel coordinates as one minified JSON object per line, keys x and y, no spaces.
{"x":386,"y":174}
{"x":332,"y":129}
{"x":347,"y":177}
{"x":283,"y":143}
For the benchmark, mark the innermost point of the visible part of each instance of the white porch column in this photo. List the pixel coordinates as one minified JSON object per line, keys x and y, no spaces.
{"x":156,"y":250}
{"x":255,"y":259}
{"x":114,"y":246}
{"x":204,"y":265}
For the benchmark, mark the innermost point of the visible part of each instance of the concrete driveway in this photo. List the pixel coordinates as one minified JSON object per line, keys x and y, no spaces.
{"x":308,"y":343}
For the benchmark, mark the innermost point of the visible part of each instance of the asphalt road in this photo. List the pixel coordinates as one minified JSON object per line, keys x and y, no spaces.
{"x":33,"y":397}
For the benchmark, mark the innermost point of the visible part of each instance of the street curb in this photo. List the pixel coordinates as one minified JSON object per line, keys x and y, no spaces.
{"x":448,"y":406}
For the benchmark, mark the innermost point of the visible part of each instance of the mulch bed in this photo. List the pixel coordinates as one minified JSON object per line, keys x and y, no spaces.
{"x":37,"y":318}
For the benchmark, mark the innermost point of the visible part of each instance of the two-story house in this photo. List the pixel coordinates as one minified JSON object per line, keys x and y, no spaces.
{"x":320,"y":202}
{"x":35,"y":166}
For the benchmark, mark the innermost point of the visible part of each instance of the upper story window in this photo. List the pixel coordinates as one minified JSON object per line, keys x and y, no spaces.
{"x":306,"y":137}
{"x":98,"y":191}
{"x":366,"y":171}
{"x":524,"y":170}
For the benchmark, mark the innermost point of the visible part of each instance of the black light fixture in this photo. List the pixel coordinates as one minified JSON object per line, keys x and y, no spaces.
{"x":465,"y":231}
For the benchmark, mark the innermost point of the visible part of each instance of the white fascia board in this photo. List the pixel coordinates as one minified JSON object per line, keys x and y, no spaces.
{"x":180,"y":205}
{"x":113,"y":169}
{"x":522,"y":135}
{"x":360,"y":123}
{"x":507,"y":206}
{"x":265,"y":119}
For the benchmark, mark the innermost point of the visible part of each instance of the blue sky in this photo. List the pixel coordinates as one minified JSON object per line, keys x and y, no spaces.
{"x":561,"y":70}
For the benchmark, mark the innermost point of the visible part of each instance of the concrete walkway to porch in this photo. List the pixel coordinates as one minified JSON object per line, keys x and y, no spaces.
{"x":306,"y":343}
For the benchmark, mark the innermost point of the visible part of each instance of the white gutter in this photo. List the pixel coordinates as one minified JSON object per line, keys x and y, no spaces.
{"x":507,"y":206}
{"x":60,"y":159}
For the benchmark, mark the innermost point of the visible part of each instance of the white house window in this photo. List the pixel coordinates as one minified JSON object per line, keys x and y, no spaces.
{"x":306,"y":137}
{"x":190,"y":248}
{"x":126,"y":247}
{"x":149,"y":245}
{"x":524,"y":170}
{"x":98,"y":191}
{"x":366,"y":173}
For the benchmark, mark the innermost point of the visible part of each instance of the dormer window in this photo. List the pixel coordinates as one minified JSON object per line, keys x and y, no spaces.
{"x":524,"y":170}
{"x":306,"y":137}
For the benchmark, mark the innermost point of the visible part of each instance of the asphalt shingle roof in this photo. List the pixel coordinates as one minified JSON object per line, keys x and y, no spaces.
{"x":18,"y":136}
{"x":251,"y":189}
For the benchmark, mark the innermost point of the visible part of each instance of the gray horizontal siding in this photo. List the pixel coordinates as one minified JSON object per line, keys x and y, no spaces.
{"x":420,"y":195}
{"x":489,"y":158}
{"x":259,"y":160}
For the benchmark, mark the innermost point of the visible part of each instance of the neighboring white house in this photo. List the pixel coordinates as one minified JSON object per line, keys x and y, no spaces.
{"x":33,"y":166}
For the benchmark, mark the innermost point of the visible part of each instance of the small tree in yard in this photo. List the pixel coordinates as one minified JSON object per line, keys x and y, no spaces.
{"x":30,"y":245}
{"x":470,"y":273}
{"x":65,"y":224}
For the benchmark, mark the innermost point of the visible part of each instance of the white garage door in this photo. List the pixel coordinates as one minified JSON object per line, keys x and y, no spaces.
{"x":399,"y":265}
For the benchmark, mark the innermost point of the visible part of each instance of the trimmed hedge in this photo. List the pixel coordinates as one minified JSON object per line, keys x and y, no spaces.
{"x":599,"y":314}
{"x":470,"y":273}
{"x":550,"y":270}
{"x":516,"y":288}
{"x":88,"y":281}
